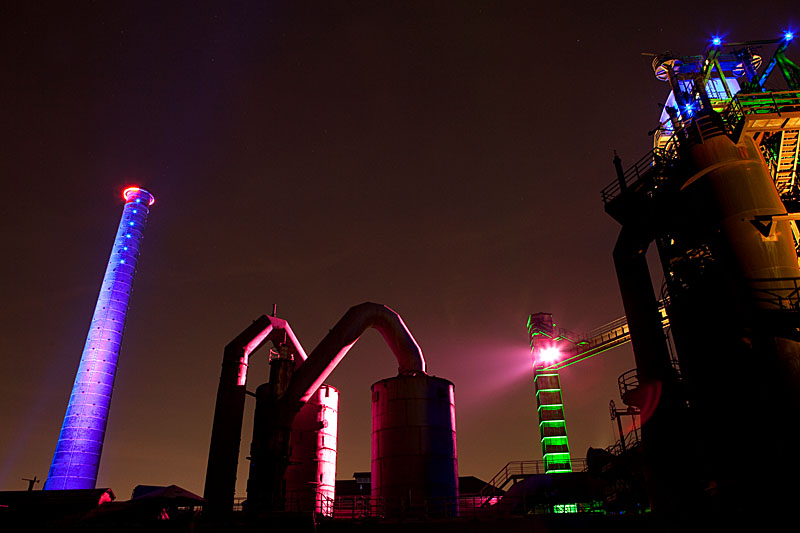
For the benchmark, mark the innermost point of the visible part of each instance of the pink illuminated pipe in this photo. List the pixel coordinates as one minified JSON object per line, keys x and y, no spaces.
{"x":310,"y":372}
{"x":272,"y":428}
{"x":223,"y":455}
{"x":277,"y":326}
{"x":331,"y":350}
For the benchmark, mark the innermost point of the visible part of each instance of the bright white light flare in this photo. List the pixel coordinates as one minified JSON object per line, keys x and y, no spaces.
{"x":549,"y":355}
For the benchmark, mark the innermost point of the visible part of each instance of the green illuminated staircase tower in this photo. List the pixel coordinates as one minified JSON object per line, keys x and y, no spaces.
{"x":549,"y":402}
{"x":552,"y":425}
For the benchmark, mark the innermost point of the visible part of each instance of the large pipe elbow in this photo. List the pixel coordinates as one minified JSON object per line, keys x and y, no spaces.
{"x":394,"y":331}
{"x":332,"y":349}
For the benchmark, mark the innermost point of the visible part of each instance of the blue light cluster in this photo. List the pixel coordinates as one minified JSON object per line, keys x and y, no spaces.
{"x":788,"y":35}
{"x":80,"y":443}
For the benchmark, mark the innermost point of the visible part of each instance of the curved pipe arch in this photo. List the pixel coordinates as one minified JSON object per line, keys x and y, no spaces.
{"x":331,"y":350}
{"x":310,"y":372}
{"x":226,"y":431}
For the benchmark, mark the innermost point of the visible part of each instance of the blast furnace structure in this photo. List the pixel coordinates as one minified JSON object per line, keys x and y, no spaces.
{"x":718,"y":195}
{"x":80,"y":443}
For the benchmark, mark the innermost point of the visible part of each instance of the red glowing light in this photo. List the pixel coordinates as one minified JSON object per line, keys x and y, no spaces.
{"x":126,"y":194}
{"x":549,"y":355}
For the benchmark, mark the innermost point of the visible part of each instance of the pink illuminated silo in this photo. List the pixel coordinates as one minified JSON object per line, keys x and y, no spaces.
{"x":414,"y":461}
{"x":311,"y":474}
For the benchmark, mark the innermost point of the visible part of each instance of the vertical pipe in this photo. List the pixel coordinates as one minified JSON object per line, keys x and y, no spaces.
{"x":657,"y":395}
{"x":226,"y":432}
{"x":641,"y":305}
{"x":620,"y":173}
{"x":80,"y":443}
{"x":269,"y":450}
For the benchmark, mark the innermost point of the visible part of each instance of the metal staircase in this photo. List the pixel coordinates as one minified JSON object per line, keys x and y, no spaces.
{"x":515,"y":471}
{"x":786,"y":167}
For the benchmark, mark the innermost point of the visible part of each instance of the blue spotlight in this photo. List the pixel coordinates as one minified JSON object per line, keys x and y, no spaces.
{"x":788,"y":35}
{"x":716,"y":41}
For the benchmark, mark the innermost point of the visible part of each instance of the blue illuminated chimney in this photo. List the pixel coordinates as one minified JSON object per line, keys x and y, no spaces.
{"x":80,"y":443}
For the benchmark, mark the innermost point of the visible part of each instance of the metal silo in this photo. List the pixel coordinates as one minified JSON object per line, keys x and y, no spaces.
{"x":414,"y":461}
{"x":311,"y":474}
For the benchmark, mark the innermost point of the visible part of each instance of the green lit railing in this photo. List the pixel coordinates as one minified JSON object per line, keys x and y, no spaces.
{"x":766,"y":103}
{"x":732,"y":116}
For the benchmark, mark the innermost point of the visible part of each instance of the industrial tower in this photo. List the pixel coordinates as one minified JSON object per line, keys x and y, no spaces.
{"x":80,"y":443}
{"x":549,"y":401}
{"x":718,"y":196}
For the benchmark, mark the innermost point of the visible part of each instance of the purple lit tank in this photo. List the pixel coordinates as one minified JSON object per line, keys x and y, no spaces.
{"x":80,"y":443}
{"x":414,"y":460}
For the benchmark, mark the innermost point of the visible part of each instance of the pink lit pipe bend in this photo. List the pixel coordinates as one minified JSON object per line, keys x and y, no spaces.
{"x":80,"y":443}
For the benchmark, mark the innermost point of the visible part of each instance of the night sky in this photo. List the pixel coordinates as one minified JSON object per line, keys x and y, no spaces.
{"x":442,"y":158}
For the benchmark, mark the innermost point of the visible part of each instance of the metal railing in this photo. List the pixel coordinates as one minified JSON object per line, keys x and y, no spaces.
{"x":629,"y":381}
{"x":632,"y":440}
{"x":732,"y":118}
{"x":520,"y":470}
{"x":356,"y":507}
{"x":655,"y":158}
{"x":766,"y":103}
{"x":780,"y":294}
{"x":609,"y":331}
{"x":475,"y":506}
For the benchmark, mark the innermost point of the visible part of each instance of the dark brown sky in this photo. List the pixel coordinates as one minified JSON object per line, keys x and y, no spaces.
{"x":443,"y":158}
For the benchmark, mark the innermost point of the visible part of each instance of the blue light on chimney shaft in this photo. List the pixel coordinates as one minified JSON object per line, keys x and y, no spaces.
{"x":80,"y":443}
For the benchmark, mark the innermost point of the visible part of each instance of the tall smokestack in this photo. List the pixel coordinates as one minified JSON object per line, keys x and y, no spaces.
{"x":80,"y":443}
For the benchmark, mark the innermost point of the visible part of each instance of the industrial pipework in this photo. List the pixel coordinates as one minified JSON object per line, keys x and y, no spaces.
{"x":280,"y":401}
{"x":223,"y":455}
{"x":294,"y":380}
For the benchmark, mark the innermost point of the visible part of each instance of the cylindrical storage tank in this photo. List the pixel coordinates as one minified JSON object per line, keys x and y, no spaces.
{"x":311,"y":475}
{"x":414,"y":459}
